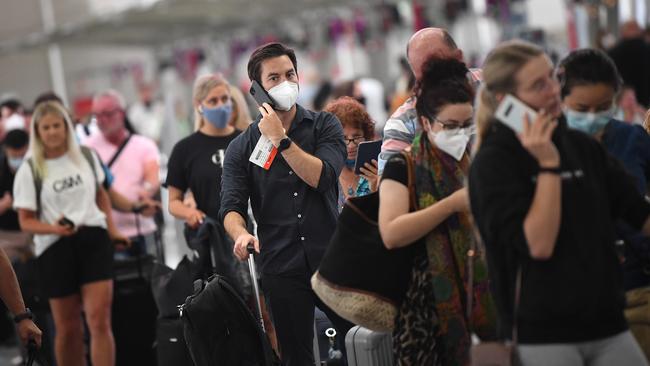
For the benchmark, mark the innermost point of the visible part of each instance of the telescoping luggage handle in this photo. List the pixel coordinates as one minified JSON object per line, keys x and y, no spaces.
{"x":256,"y":288}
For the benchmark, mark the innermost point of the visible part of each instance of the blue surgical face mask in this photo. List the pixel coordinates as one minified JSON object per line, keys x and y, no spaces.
{"x":589,"y":123}
{"x":350,"y":163}
{"x":218,"y":116}
{"x":14,"y":163}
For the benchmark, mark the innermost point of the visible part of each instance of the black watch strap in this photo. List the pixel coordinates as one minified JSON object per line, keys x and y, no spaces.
{"x":284,"y":144}
{"x":22,"y":316}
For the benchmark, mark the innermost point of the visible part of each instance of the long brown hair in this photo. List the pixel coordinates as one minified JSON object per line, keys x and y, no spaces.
{"x":499,"y":70}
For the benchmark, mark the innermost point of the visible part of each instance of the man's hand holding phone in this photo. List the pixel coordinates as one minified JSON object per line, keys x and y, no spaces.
{"x":270,"y":124}
{"x":241,"y":245}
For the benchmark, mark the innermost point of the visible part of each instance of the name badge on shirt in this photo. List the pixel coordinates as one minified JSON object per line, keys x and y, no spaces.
{"x":264,"y":153}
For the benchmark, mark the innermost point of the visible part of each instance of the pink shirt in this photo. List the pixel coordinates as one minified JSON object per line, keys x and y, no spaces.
{"x":128,"y":171}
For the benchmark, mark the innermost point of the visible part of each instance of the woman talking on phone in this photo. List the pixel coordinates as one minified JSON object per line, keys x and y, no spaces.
{"x":60,"y":199}
{"x":545,"y":200}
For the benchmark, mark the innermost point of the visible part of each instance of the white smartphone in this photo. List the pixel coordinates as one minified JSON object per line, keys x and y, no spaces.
{"x":511,"y":112}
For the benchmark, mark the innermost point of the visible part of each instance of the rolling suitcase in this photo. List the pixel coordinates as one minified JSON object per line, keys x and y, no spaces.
{"x":368,"y":348}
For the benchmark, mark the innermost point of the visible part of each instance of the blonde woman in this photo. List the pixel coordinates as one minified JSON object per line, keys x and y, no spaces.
{"x":196,"y":161}
{"x":75,"y":256}
{"x":545,"y":201}
{"x":241,"y":116}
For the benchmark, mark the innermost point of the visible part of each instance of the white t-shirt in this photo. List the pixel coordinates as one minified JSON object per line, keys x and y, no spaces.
{"x":68,"y":190}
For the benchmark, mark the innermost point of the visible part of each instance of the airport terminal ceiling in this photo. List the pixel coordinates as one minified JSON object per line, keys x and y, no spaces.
{"x":28,"y":23}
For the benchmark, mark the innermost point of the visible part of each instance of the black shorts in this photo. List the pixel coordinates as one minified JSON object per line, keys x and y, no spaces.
{"x":69,"y":263}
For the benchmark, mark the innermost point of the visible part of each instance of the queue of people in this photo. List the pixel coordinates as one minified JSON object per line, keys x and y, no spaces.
{"x":516,"y":232}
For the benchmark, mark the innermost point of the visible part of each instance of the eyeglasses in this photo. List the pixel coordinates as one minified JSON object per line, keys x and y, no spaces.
{"x":454,"y":127}
{"x":354,"y":139}
{"x":107,"y":114}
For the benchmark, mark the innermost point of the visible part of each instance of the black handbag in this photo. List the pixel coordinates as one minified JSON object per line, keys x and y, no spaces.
{"x":359,"y":278}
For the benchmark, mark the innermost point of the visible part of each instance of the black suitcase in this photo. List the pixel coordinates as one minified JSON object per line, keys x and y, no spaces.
{"x":219,"y":328}
{"x":134,"y":313}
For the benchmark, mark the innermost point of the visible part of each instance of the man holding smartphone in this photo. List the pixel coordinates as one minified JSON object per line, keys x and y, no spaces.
{"x":293,"y":195}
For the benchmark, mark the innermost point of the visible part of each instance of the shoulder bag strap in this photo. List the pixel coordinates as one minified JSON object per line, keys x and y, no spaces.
{"x":87,"y":153}
{"x":38,"y":185}
{"x":118,"y":152}
{"x":410,"y":167}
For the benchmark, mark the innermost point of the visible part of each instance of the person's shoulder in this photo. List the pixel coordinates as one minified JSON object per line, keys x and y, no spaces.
{"x":93,"y":140}
{"x":144,"y":142}
{"x":406,"y":107}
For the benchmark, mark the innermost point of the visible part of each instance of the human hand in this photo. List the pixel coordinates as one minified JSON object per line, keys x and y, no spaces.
{"x":241,"y":245}
{"x":120,"y":241}
{"x":270,"y":125}
{"x":195,"y":218}
{"x":536,"y":139}
{"x":147,"y":207}
{"x":28,"y":330}
{"x":6,"y":202}
{"x":370,"y":172}
{"x":62,"y":228}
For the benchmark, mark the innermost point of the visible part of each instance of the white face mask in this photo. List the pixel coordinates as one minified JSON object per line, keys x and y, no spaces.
{"x":284,"y":94}
{"x":453,"y":143}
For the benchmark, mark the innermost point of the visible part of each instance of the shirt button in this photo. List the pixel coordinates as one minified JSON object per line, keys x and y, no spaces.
{"x":299,"y":216}
{"x":295,"y":194}
{"x":302,"y":238}
{"x":290,"y":172}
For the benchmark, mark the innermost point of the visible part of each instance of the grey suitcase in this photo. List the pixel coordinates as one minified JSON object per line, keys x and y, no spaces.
{"x":368,"y":348}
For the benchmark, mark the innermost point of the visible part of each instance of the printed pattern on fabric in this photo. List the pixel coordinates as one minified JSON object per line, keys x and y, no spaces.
{"x":437,"y":175}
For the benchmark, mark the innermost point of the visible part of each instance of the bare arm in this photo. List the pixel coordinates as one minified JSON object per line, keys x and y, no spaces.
{"x":104,"y":203}
{"x":307,"y":167}
{"x":542,"y":222}
{"x":151,"y":184}
{"x":13,"y":299}
{"x":9,"y":289}
{"x":31,"y":224}
{"x":399,"y":227}
{"x":180,"y":210}
{"x":235,"y":226}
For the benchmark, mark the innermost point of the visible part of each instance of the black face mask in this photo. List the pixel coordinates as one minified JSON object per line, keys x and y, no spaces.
{"x":147,"y":104}
{"x":361,"y":100}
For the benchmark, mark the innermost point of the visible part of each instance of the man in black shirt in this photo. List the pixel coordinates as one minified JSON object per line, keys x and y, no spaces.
{"x":14,"y":149}
{"x":293,"y":197}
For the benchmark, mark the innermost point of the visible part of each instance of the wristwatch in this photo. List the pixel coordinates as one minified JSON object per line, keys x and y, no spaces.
{"x":284,"y":144}
{"x":22,"y":316}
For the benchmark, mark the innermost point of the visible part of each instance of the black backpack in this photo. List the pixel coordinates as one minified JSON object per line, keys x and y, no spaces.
{"x":220,"y":330}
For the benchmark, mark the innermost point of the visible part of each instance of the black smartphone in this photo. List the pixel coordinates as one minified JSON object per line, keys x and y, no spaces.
{"x":366,"y":151}
{"x":260,"y":95}
{"x":64,"y":221}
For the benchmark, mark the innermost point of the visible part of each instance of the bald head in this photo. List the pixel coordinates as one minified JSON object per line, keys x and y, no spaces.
{"x":427,"y":43}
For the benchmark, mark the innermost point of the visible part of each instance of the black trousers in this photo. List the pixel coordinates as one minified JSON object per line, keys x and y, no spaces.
{"x":292,"y":306}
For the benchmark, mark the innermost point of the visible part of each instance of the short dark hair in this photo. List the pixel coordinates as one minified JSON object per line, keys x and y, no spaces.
{"x":587,"y":67}
{"x":13,"y":104}
{"x":444,"y":81}
{"x":265,"y":52}
{"x":16,"y":139}
{"x":48,"y":96}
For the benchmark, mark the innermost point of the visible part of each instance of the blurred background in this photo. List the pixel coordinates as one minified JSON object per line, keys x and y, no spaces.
{"x":77,"y":47}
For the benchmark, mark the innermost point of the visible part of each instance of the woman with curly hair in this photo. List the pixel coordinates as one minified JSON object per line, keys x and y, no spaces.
{"x":357,"y":128}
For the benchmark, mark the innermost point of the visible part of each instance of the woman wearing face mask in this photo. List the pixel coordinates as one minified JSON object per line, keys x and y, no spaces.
{"x":431,"y":328}
{"x":590,"y":82}
{"x":357,"y":128}
{"x":545,"y":201}
{"x":196,"y":161}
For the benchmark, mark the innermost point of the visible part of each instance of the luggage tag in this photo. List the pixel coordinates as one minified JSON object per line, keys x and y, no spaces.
{"x":264,"y":153}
